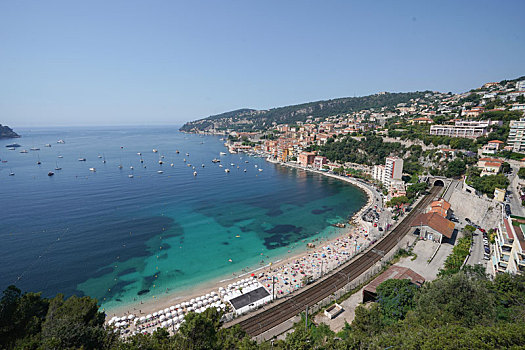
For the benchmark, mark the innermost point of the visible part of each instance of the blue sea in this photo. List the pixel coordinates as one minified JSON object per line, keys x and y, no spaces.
{"x":122,"y":240}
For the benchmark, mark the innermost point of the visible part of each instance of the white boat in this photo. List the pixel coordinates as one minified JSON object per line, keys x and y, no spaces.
{"x":154,"y":150}
{"x":161,"y":162}
{"x":260,"y":169}
{"x":11,"y":174}
{"x":172,"y":164}
{"x":256,"y":165}
{"x":160,"y":172}
{"x":81,"y":159}
{"x":244,"y":170}
{"x":184,"y":160}
{"x":138,"y":153}
{"x":194,"y":173}
{"x":188,"y":164}
{"x":226,"y":170}
{"x":203,"y":165}
{"x":220,"y":165}
{"x":57,"y":167}
{"x":23,"y":151}
{"x":61,"y":141}
{"x":99,"y":156}
{"x":34,"y":149}
{"x":11,"y":148}
{"x":130,"y":175}
{"x":222,"y":153}
{"x":92,"y":169}
{"x":187,"y":154}
{"x":232,"y":164}
{"x":131,"y":167}
{"x":47,"y":145}
{"x":60,"y":156}
{"x":120,"y":166}
{"x":215,"y":160}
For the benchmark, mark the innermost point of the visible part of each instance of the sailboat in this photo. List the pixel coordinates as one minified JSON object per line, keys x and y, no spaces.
{"x":38,"y":161}
{"x":58,"y":168}
{"x":104,"y":158}
{"x":11,"y":173}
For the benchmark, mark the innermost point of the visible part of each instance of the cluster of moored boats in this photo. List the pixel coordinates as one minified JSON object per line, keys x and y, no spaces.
{"x":161,"y":161}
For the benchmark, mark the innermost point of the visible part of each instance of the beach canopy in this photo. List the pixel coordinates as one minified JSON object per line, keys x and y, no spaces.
{"x":148,"y":316}
{"x":130,"y":317}
{"x":172,"y":308}
{"x":155,"y":314}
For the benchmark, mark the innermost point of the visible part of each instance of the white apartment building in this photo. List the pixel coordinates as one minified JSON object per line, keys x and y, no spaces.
{"x":378,"y":173}
{"x":508,"y":251}
{"x":392,"y":170}
{"x":516,"y":137}
{"x":467,"y":129}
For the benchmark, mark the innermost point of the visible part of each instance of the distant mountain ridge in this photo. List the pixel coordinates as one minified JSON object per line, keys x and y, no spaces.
{"x":251,"y":119}
{"x":7,"y":133}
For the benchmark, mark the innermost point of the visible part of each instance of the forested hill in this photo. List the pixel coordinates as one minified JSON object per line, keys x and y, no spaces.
{"x":7,"y":133}
{"x":250,"y":119}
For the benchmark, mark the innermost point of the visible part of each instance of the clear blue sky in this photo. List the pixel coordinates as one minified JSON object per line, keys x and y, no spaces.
{"x":166,"y":62}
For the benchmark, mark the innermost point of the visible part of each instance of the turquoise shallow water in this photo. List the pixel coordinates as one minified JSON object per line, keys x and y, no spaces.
{"x":123,"y":239}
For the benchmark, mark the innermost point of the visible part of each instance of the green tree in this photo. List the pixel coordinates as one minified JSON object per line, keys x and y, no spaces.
{"x":396,"y":298}
{"x":455,"y":168}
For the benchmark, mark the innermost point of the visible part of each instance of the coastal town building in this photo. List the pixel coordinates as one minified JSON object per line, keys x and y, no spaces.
{"x":433,"y":226}
{"x":516,"y":137}
{"x":466,"y":129}
{"x":492,"y":147}
{"x":319,"y":162}
{"x":378,"y":173}
{"x":508,"y":250}
{"x":489,"y":166}
{"x":306,"y":159}
{"x":393,"y":170}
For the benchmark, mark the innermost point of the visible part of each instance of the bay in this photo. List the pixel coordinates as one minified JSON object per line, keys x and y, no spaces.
{"x":124,"y":239}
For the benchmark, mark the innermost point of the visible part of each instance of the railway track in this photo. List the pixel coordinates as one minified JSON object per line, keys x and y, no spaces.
{"x":287,"y":309}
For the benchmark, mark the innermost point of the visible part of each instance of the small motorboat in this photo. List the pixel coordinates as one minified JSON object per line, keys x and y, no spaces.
{"x":177,"y":151}
{"x":130,"y":176}
{"x":47,"y":145}
{"x":161,"y":162}
{"x":11,"y":174}
{"x":154,"y":150}
{"x":260,"y":169}
{"x":34,"y":149}
{"x":203,"y":165}
{"x":92,"y":169}
{"x":50,"y":173}
{"x":226,"y":170}
{"x":60,"y":156}
{"x":244,"y":170}
{"x":138,"y":153}
{"x":23,"y":151}
{"x":172,"y":164}
{"x":194,"y":173}
{"x":187,"y":154}
{"x":222,"y":153}
{"x":160,"y":172}
{"x":215,"y":160}
{"x":61,"y":141}
{"x":81,"y":159}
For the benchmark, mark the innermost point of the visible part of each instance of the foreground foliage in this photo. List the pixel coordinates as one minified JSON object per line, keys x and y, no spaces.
{"x":462,"y":310}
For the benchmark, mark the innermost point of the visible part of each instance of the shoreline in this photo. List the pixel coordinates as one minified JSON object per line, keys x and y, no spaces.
{"x":356,"y":229}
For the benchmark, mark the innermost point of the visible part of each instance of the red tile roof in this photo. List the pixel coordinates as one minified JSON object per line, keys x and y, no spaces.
{"x":435,"y":222}
{"x":395,"y":272}
{"x":495,"y":141}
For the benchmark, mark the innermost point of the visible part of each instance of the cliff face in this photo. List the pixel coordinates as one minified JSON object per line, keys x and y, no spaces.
{"x":7,"y":133}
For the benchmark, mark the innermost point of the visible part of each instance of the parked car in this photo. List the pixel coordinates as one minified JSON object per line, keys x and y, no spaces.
{"x":487,"y":250}
{"x":380,"y":228}
{"x":486,"y":256}
{"x":467,"y":220}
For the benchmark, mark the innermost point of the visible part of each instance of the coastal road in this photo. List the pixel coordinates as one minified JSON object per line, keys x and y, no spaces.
{"x":279,"y":313}
{"x":515,"y":201}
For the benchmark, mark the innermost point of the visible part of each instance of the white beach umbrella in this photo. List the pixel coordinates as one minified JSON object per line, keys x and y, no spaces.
{"x":208,"y":295}
{"x":148,"y":316}
{"x":177,"y":306}
{"x":155,"y":314}
{"x":162,"y":318}
{"x":130,"y":317}
{"x":170,"y":322}
{"x":192,"y":301}
{"x":163,"y":324}
{"x":167,"y":310}
{"x":110,"y":322}
{"x":172,"y":308}
{"x":142,"y":319}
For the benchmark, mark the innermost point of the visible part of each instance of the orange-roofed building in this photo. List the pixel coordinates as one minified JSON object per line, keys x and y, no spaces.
{"x":440,"y":207}
{"x":433,"y":226}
